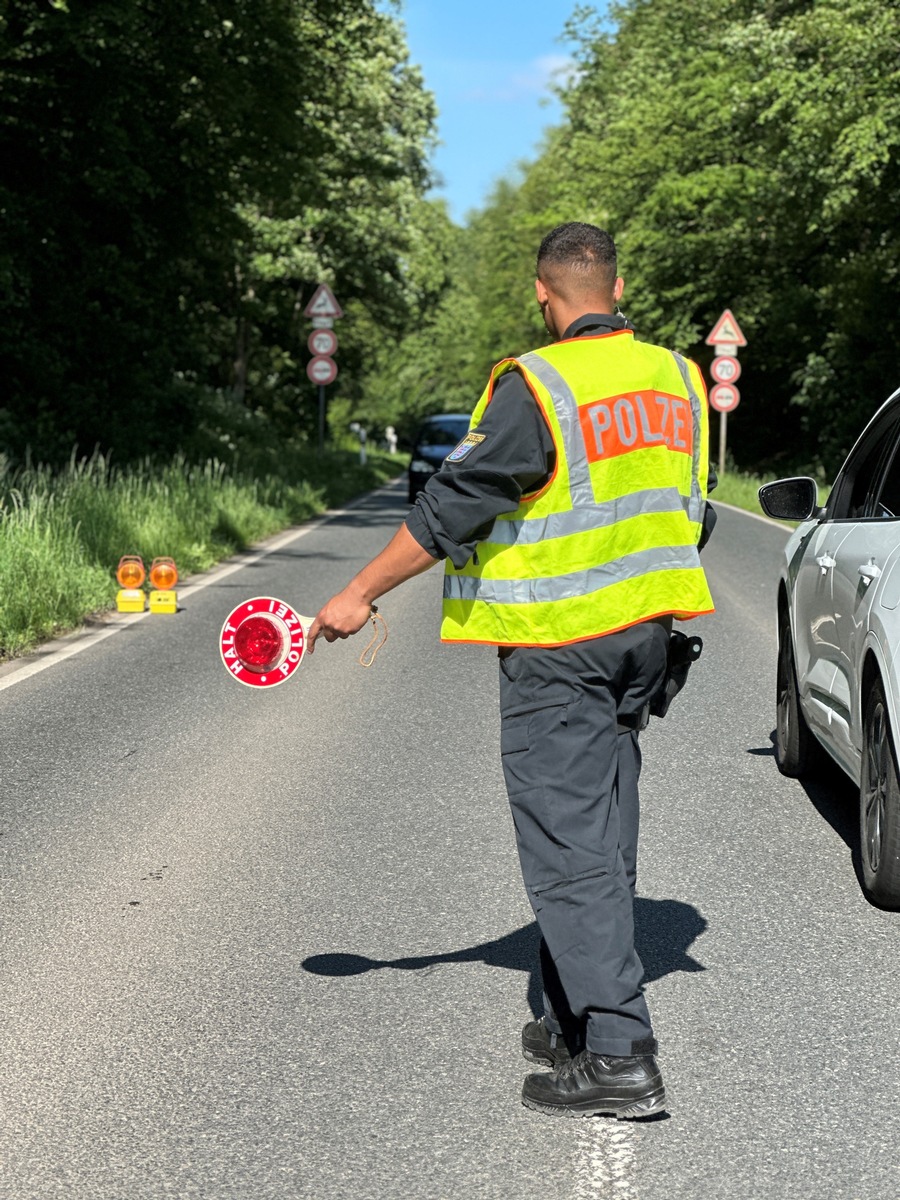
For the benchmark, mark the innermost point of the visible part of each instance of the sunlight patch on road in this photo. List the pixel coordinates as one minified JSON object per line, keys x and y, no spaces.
{"x":605,"y":1165}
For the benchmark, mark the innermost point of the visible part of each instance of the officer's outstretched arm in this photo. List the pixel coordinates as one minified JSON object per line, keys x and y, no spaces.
{"x":348,"y":611}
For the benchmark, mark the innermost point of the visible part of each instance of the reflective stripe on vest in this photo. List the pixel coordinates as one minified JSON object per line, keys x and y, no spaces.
{"x":539,"y":529}
{"x":563,"y":587}
{"x":696,"y":503}
{"x":570,"y":563}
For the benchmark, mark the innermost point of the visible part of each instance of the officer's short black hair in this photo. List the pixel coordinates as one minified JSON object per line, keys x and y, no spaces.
{"x":577,"y":257}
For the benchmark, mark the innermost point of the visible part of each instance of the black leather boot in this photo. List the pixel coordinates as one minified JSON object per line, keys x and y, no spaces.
{"x":541,"y":1046}
{"x":598,"y":1084}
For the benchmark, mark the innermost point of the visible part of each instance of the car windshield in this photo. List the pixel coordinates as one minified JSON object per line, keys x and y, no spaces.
{"x":446,"y":432}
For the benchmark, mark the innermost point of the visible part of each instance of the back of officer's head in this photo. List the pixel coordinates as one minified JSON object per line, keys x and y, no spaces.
{"x":577,"y":262}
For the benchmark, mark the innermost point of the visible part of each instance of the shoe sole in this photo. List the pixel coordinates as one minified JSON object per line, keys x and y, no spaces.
{"x":622,"y":1110}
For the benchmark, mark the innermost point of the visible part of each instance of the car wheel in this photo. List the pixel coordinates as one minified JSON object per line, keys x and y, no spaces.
{"x":879,"y":805}
{"x":797,"y":752}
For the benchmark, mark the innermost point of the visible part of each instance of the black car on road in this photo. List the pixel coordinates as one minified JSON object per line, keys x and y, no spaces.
{"x":436,"y":438}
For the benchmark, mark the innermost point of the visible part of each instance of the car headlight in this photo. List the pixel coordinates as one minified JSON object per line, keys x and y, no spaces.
{"x":419,"y":466}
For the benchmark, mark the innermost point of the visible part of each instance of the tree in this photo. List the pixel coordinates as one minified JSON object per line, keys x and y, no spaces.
{"x":361,"y":233}
{"x":173,"y":181}
{"x":747,"y":160}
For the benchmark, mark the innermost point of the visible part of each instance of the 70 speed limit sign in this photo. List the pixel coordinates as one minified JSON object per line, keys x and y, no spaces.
{"x":322,"y":341}
{"x":725,"y":368}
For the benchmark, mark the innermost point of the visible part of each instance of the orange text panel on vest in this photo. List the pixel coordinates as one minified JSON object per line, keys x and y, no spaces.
{"x":636,"y":421}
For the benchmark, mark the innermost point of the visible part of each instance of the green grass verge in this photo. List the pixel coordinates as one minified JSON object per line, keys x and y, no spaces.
{"x":740,"y":490}
{"x":62,"y":533}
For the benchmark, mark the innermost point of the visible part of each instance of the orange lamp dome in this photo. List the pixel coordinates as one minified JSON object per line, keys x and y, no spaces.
{"x":130,"y":571}
{"x":163,"y":574}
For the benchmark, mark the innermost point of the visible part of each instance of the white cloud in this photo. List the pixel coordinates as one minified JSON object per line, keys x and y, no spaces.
{"x":510,"y":84}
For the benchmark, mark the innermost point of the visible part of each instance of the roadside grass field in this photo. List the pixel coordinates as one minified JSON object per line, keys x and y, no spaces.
{"x":736,"y":488}
{"x":63,"y":532}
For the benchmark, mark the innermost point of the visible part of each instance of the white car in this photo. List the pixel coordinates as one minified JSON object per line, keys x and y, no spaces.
{"x":839,"y":637}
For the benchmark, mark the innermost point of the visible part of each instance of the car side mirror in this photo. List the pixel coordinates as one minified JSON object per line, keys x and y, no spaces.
{"x":790,"y":499}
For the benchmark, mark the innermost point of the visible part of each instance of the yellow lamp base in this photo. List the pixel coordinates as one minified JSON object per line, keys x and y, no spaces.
{"x":131,"y":600}
{"x":164,"y":602}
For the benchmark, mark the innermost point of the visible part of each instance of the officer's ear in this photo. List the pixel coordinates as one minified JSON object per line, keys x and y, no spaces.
{"x":618,"y":289}
{"x":541,"y":292}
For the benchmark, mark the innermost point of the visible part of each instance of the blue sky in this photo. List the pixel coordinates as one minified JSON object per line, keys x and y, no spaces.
{"x":489,"y":64}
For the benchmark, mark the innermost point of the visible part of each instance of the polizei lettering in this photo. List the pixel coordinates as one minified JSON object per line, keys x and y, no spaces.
{"x":636,"y":421}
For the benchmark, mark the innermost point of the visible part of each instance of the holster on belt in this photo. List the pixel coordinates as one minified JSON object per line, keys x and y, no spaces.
{"x":683,"y":651}
{"x":634,"y":722}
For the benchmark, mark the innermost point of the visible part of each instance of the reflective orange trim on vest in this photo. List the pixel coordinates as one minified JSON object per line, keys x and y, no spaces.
{"x":591,"y":337}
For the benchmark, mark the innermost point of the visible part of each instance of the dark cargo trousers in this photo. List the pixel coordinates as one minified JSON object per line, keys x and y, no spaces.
{"x":572,"y":777}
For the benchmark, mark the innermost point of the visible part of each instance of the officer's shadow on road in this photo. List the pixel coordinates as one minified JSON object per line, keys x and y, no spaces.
{"x":664,"y":931}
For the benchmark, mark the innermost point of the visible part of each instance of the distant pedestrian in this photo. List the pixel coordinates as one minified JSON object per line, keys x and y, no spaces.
{"x":390,"y":436}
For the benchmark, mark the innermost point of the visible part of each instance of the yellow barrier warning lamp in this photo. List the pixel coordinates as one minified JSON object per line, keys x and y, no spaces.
{"x":130,"y":574}
{"x":163,"y":577}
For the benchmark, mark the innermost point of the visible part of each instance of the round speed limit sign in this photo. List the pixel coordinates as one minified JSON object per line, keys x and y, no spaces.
{"x":322,"y":341}
{"x":724,"y":368}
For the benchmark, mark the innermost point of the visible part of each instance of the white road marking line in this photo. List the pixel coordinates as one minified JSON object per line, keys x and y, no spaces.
{"x":605,"y":1166}
{"x":60,"y":652}
{"x":785,"y":529}
{"x":60,"y":649}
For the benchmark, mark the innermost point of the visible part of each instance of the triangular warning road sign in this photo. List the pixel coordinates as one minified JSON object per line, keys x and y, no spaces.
{"x":726,"y":331}
{"x":323,"y":303}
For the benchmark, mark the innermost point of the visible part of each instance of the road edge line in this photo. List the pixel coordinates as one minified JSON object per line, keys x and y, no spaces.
{"x":747,"y":513}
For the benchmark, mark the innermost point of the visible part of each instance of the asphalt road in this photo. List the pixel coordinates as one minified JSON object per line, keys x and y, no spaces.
{"x":272,"y":946}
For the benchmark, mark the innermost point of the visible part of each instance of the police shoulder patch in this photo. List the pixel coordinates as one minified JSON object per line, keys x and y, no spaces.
{"x":466,"y":446}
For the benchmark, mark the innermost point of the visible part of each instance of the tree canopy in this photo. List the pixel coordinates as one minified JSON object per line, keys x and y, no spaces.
{"x":177,"y":178}
{"x":748,"y":159}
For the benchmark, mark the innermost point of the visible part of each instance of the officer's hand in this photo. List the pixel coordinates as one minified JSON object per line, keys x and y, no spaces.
{"x":343,"y":615}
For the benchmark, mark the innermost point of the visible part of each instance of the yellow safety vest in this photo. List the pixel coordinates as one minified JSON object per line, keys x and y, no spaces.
{"x":611,"y":539}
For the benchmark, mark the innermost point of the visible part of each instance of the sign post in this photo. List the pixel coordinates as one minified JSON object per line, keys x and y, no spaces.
{"x":726,"y":337}
{"x":321,"y":369}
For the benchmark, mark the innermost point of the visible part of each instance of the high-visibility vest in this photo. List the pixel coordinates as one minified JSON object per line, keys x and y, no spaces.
{"x":611,"y":539}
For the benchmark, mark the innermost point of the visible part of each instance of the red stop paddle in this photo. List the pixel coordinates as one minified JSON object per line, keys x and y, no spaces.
{"x":263,"y":641}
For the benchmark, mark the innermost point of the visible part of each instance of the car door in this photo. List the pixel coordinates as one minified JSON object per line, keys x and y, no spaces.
{"x":864,"y":555}
{"x":824,"y":606}
{"x":818,"y":647}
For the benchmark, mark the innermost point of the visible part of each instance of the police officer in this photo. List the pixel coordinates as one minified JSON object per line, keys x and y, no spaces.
{"x":569,"y":519}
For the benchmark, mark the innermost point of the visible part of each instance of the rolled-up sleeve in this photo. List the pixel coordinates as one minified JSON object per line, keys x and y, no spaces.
{"x":458,"y":506}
